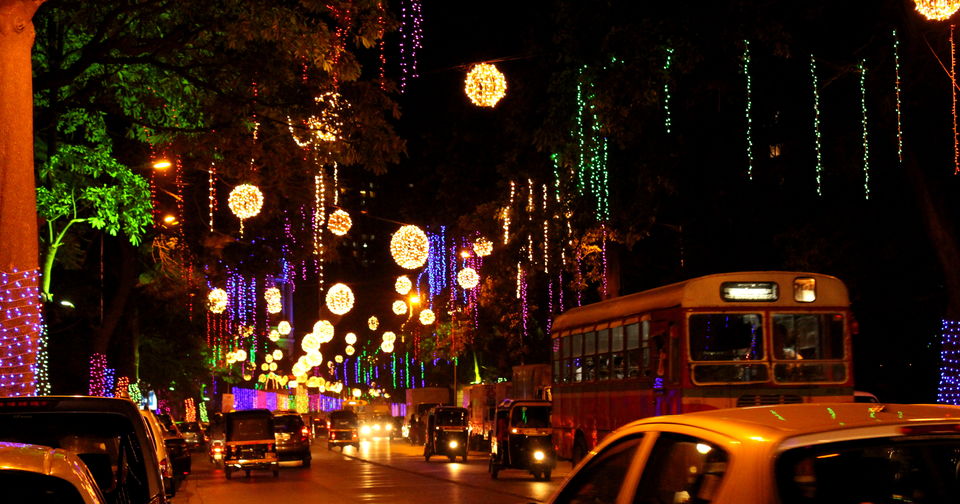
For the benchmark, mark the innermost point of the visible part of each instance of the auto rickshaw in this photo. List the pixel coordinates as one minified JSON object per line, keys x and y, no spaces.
{"x":249,"y":442}
{"x":523,"y":438}
{"x":446,"y":433}
{"x":342,"y":429}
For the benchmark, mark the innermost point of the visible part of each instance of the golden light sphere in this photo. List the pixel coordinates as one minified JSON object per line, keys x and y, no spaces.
{"x":310,"y":343}
{"x":265,"y":366}
{"x":245,"y":201}
{"x":409,"y":247}
{"x":468,"y":278}
{"x":389,"y":337}
{"x":427,"y":317}
{"x":324,"y":331}
{"x":350,"y":338}
{"x":247,"y":377}
{"x":386,"y":347}
{"x":277,"y":354}
{"x":485,"y":85}
{"x":268,"y":358}
{"x":339,"y":359}
{"x":357,"y":392}
{"x":373,"y":323}
{"x":349,"y":350}
{"x":273,"y":366}
{"x":272,"y":296}
{"x":339,"y":222}
{"x":339,"y":299}
{"x":937,"y":10}
{"x":483,"y":247}
{"x":314,"y":359}
{"x":217,"y":300}
{"x":399,"y":307}
{"x":241,"y":355}
{"x":274,"y":335}
{"x":403,"y":285}
{"x":284,"y":327}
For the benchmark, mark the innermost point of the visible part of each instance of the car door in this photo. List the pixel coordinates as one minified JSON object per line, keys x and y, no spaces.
{"x":681,"y":465}
{"x":604,"y":476}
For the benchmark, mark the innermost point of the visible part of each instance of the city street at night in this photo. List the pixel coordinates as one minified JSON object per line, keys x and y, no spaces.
{"x":381,"y":472}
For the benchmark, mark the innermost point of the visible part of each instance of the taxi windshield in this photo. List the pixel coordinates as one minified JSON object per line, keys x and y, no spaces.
{"x":530,"y":416}
{"x":451,"y":417}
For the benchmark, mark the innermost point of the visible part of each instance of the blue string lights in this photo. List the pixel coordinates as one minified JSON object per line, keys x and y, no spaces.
{"x":949,"y":390}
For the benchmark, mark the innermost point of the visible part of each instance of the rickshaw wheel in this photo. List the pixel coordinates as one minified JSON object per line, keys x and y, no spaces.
{"x":228,"y":472}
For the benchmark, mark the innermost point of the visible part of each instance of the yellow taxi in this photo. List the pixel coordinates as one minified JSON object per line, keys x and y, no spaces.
{"x":790,"y":454}
{"x":33,"y":473}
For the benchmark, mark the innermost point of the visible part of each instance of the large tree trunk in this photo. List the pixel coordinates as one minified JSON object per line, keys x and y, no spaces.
{"x":20,"y":320}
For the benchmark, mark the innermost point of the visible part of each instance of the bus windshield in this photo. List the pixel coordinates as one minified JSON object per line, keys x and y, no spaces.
{"x":530,"y":416}
{"x":799,"y":338}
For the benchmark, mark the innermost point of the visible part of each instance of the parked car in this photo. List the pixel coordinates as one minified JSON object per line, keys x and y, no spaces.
{"x":108,"y":435}
{"x":43,"y":475}
{"x":791,"y":454}
{"x":176,"y":445}
{"x":157,"y":435}
{"x":292,"y":436}
{"x":193,"y":433}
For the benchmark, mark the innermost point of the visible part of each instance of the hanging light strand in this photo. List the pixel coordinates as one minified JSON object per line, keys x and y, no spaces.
{"x":866,"y":141}
{"x":667,"y":120}
{"x":896,"y":61}
{"x":745,"y":64}
{"x":816,"y":124}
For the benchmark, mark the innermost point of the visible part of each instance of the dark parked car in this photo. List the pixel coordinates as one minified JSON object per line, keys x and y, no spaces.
{"x":109,"y":435}
{"x":193,"y":434}
{"x":293,"y":437}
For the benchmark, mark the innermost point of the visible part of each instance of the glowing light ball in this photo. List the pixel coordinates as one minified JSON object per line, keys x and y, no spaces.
{"x":277,"y":354}
{"x":389,"y":337}
{"x":247,"y":377}
{"x":339,"y":222}
{"x":937,"y":10}
{"x":217,"y":300}
{"x":483,"y":247}
{"x":241,"y":355}
{"x":245,"y":201}
{"x":409,"y":247}
{"x":349,"y":350}
{"x":262,"y":378}
{"x":310,"y":343}
{"x":485,"y":85}
{"x":399,"y":307}
{"x":427,"y":317}
{"x":468,"y":278}
{"x":338,"y":358}
{"x":350,"y":338}
{"x":299,"y":368}
{"x":268,"y":358}
{"x":402,"y":285}
{"x":284,"y":327}
{"x":339,"y":299}
{"x":265,"y":366}
{"x":373,"y":323}
{"x":273,"y":366}
{"x":314,"y":359}
{"x":357,"y":392}
{"x":274,"y":335}
{"x":272,"y":296}
{"x":386,"y":347}
{"x":324,"y":331}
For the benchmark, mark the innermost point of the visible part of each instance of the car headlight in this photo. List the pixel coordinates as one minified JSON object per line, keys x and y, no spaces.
{"x":376,"y":426}
{"x":539,"y":455}
{"x":454,"y":444}
{"x":388,"y":427}
{"x":365,"y":429}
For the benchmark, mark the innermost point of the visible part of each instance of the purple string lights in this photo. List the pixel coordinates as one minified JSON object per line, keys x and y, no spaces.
{"x":22,"y":364}
{"x":411,"y":39}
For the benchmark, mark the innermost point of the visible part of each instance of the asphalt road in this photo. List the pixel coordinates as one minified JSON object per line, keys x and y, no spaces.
{"x":381,"y":472}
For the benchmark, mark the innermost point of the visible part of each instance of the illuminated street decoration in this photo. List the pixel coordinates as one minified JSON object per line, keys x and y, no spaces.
{"x":411,"y":37}
{"x":937,"y":10}
{"x":349,"y":350}
{"x":485,"y":85}
{"x":386,"y":347}
{"x":284,"y":327}
{"x":403,"y":285}
{"x":323,"y":329}
{"x":350,"y":339}
{"x":896,"y":61}
{"x":373,"y":323}
{"x":314,"y":359}
{"x":948,"y":390}
{"x":748,"y":107}
{"x":272,"y":297}
{"x":338,"y":359}
{"x":400,"y":307}
{"x":277,"y":354}
{"x":245,"y":201}
{"x":389,"y":337}
{"x":339,"y":222}
{"x":310,"y":343}
{"x":483,"y":247}
{"x":339,"y":299}
{"x":468,"y":278}
{"x":409,"y":247}
{"x":667,"y":120}
{"x":591,"y":162}
{"x":816,"y":123}
{"x":217,"y":300}
{"x":427,"y":317}
{"x":325,"y":127}
{"x":862,"y":67}
{"x":953,"y":93}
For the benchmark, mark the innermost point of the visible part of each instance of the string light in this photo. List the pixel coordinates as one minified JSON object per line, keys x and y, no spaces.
{"x":399,"y":307}
{"x":948,"y":390}
{"x":339,"y":299}
{"x":411,"y":36}
{"x":468,"y":278}
{"x":745,"y":62}
{"x":99,"y":376}
{"x":592,"y":148}
{"x":22,"y":362}
{"x":896,"y":61}
{"x":437,"y":262}
{"x":427,"y":316}
{"x":937,"y":10}
{"x":212,"y":191}
{"x":505,"y":214}
{"x":402,"y":285}
{"x":816,"y":123}
{"x":409,"y":247}
{"x":190,"y":410}
{"x":217,"y":300}
{"x":485,"y":85}
{"x":483,"y":247}
{"x":862,"y":66}
{"x":667,"y":121}
{"x":953,"y":93}
{"x":339,"y":222}
{"x":373,"y":323}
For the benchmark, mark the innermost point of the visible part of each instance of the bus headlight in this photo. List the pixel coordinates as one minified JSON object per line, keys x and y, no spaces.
{"x":539,"y":456}
{"x":454,"y":444}
{"x":365,"y":429}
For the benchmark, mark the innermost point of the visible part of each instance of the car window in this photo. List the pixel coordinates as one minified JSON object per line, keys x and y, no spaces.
{"x":874,"y":470}
{"x":24,"y":486}
{"x":599,"y":481}
{"x":681,"y":469}
{"x":287,"y":423}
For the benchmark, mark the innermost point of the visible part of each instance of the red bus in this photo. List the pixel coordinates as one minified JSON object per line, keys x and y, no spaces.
{"x":718,"y":341}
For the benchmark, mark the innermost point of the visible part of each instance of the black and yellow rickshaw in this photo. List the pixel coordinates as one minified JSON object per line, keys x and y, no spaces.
{"x":446,"y":433}
{"x":342,"y":428}
{"x":249,"y":442}
{"x":523,"y":439}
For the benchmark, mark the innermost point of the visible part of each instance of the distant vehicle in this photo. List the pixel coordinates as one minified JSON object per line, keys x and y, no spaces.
{"x":342,"y":429}
{"x":193,"y":434}
{"x":292,"y":436}
{"x":717,"y":341}
{"x":41,"y":475}
{"x":376,"y":426}
{"x":250,"y":442}
{"x":792,"y":454}
{"x":446,"y":428}
{"x":523,"y":439}
{"x":216,"y":433}
{"x":109,"y":435}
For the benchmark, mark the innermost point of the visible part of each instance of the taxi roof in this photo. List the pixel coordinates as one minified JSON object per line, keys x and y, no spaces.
{"x":50,"y":462}
{"x":777,"y":422}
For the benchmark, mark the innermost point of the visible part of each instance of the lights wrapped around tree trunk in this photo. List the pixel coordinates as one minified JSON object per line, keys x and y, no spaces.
{"x":937,"y":10}
{"x":468,"y":278}
{"x":485,"y":85}
{"x":409,"y":247}
{"x":339,"y":299}
{"x":339,"y":222}
{"x":399,"y":307}
{"x":427,"y":317}
{"x":217,"y":300}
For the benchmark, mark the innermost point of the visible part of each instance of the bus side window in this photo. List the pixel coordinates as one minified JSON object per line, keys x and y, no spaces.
{"x":589,"y":356}
{"x":576,"y":361}
{"x":565,"y":355}
{"x":617,"y":357}
{"x":603,"y":354}
{"x":633,"y":350}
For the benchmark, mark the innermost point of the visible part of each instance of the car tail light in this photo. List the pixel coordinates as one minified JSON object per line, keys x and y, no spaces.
{"x":270,"y":446}
{"x":920,"y":430}
{"x":304,"y":432}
